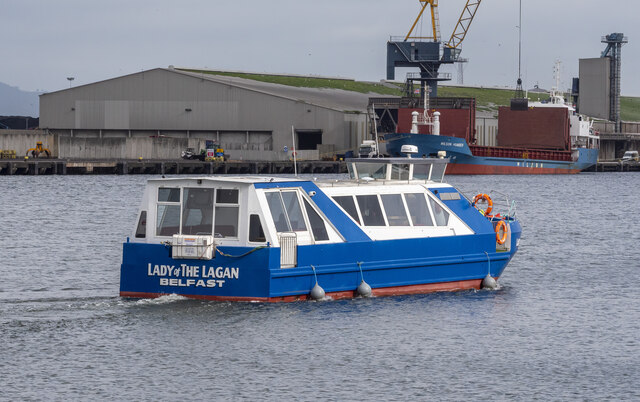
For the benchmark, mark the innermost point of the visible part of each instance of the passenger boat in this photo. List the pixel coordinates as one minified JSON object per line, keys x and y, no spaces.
{"x":392,"y":228}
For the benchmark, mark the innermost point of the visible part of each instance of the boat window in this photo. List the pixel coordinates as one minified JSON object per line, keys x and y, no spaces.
{"x":347,"y":203}
{"x":197,"y":211}
{"x":370,"y":210}
{"x":418,"y":209}
{"x":437,"y":173}
{"x":168,"y":195}
{"x":256,"y":234}
{"x":400,"y":172}
{"x":375,"y":170}
{"x":226,"y":220}
{"x":285,"y":211}
{"x":421,"y":171}
{"x":441,"y":216}
{"x":292,"y":206}
{"x":226,"y":196}
{"x":318,"y":228}
{"x":168,"y":220}
{"x":394,"y":208}
{"x":168,"y":212}
{"x":141,"y":230}
{"x":277,"y":212}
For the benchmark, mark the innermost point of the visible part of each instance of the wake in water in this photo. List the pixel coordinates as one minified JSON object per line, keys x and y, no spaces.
{"x":172,"y":298}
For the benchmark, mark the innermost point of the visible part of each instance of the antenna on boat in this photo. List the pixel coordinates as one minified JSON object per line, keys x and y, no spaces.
{"x":519,"y":102}
{"x":293,"y":147}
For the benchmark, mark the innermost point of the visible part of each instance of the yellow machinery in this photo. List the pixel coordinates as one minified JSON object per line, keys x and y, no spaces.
{"x":7,"y":154}
{"x":38,"y":150}
{"x":429,"y":52}
{"x":460,"y":31}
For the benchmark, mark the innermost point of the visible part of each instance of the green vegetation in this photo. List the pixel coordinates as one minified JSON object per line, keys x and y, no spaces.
{"x":487,"y":99}
{"x":629,"y":108}
{"x":310,"y":82}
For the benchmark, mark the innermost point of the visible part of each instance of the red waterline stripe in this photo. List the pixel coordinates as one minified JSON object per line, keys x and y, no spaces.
{"x":348,"y":294}
{"x":460,"y":168}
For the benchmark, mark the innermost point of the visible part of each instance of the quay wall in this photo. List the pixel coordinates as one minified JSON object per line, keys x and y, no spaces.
{"x":109,"y":147}
{"x":22,"y":140}
{"x":132,"y":147}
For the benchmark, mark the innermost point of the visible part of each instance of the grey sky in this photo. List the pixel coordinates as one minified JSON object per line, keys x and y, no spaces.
{"x":46,"y":41}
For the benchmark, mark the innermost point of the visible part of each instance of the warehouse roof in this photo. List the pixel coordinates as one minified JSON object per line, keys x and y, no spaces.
{"x":330,"y":98}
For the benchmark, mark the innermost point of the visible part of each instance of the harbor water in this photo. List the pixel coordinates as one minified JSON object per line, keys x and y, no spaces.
{"x":564,"y":324}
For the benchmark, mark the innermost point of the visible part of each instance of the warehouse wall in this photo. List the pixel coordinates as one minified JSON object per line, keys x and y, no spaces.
{"x":167,"y":100}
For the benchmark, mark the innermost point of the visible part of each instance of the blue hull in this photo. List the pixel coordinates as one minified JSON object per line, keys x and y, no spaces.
{"x":462,"y":161}
{"x":395,"y":266}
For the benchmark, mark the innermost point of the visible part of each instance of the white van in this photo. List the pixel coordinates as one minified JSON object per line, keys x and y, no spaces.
{"x":630,"y":156}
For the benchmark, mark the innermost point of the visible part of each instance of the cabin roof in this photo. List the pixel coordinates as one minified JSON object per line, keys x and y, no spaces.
{"x":229,"y":179}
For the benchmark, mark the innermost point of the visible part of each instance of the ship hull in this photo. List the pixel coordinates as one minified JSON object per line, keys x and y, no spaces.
{"x":463,"y":161}
{"x":392,"y":267}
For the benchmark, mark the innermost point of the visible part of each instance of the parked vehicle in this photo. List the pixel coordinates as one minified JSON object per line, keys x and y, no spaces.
{"x":368,"y":149}
{"x":630,"y":156}
{"x":190,"y":153}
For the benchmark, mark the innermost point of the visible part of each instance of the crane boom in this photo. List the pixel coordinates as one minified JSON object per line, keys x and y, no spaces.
{"x":466,"y":17}
{"x":435,"y":21}
{"x":464,"y":21}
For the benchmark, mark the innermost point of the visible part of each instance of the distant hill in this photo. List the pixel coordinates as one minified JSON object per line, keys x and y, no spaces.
{"x":15,"y":102}
{"x":19,"y":122}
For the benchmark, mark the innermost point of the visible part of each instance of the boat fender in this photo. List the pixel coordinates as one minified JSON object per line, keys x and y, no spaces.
{"x":364,"y":289}
{"x":486,"y":198}
{"x":505,"y":231}
{"x":489,"y":283}
{"x":317,"y":293}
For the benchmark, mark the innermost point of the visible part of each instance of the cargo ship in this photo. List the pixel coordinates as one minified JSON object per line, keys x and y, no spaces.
{"x":539,"y":138}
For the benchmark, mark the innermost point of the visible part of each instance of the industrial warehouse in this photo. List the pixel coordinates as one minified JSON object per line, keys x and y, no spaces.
{"x":158,"y":113}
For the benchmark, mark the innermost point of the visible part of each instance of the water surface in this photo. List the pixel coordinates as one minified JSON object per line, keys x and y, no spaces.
{"x":563,"y":325}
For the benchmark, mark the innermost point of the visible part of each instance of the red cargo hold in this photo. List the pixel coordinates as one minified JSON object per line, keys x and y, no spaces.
{"x":536,"y":127}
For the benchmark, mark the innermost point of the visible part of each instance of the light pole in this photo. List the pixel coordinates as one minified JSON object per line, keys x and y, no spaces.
{"x":70,"y":79}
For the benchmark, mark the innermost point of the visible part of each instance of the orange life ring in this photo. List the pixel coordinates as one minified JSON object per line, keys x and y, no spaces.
{"x":485,"y":198}
{"x":505,"y":232}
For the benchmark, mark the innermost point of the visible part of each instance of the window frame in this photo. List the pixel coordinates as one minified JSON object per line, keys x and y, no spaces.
{"x":168,"y":203}
{"x":262,"y":227}
{"x":303,"y":198}
{"x":183,"y":207}
{"x":235,"y":205}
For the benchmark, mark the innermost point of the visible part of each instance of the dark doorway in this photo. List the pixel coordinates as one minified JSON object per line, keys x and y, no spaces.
{"x":308,"y":139}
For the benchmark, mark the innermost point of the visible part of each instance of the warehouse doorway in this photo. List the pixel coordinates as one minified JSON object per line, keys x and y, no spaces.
{"x":308,"y":139}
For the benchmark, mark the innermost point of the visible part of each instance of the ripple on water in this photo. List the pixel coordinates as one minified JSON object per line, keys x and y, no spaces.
{"x":562,"y":325}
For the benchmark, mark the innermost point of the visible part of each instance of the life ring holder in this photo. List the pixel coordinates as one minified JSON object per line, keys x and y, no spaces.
{"x":505,"y":232}
{"x":486,"y":198}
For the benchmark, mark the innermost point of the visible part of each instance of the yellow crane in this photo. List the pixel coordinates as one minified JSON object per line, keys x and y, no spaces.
{"x":466,"y":17}
{"x":429,"y":52}
{"x":435,"y":21}
{"x":459,"y":32}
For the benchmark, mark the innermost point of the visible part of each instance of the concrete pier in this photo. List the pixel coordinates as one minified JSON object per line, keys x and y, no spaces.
{"x":615,"y":166}
{"x":158,"y":167}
